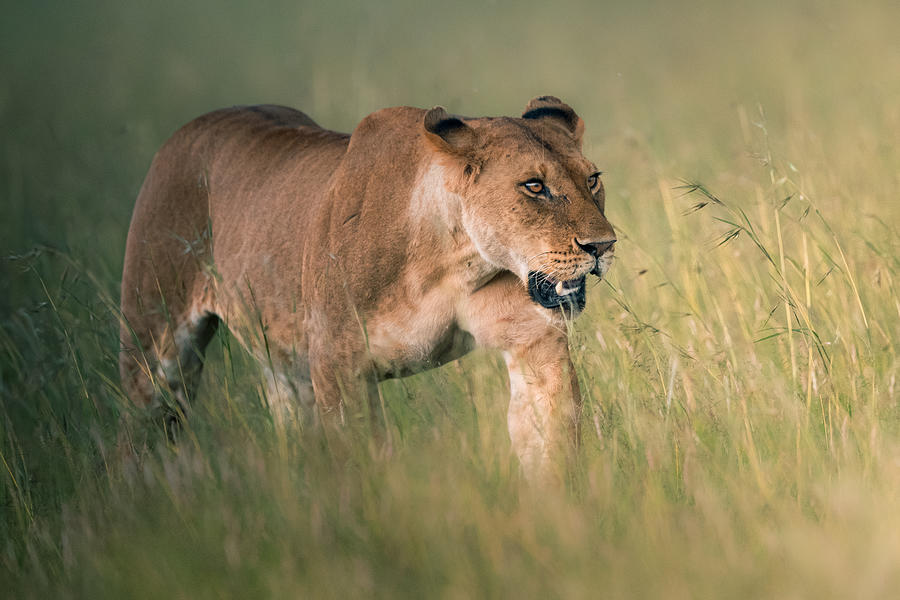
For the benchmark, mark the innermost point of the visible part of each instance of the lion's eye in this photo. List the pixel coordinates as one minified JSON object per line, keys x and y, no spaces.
{"x":593,"y":181}
{"x":535,"y":186}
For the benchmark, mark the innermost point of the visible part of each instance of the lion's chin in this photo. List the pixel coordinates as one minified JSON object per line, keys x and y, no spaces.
{"x":568,"y":295}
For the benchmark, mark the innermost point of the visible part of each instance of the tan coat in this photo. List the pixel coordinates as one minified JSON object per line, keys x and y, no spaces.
{"x":342,"y":260}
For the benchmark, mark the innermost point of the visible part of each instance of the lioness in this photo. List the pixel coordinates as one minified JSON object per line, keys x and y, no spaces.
{"x":341,"y":260}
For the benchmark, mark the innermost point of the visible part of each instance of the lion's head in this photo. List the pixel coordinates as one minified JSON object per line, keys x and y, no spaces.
{"x":530,"y":201}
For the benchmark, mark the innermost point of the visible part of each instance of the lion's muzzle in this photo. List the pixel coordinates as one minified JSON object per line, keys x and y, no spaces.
{"x":598,"y":250}
{"x":570,"y":294}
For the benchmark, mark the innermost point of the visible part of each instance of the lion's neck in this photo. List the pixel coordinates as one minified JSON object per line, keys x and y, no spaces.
{"x":435,"y":213}
{"x":432,"y":205}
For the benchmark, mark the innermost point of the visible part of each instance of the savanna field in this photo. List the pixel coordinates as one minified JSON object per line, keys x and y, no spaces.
{"x":741,"y":422}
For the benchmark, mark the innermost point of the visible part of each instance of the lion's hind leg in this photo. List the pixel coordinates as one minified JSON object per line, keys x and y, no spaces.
{"x":160,"y":362}
{"x":181,"y":370}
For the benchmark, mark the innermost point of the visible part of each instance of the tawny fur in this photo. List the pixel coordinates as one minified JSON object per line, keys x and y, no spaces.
{"x":342,"y":260}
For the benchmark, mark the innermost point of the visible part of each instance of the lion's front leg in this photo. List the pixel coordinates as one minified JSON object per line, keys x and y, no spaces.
{"x":543,"y":406}
{"x":544,"y":394}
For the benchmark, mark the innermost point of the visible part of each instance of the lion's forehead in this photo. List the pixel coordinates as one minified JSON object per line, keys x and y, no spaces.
{"x":522,"y":145}
{"x":526,"y":134}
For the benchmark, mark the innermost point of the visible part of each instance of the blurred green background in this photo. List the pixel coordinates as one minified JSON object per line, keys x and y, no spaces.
{"x":90,"y":90}
{"x":740,"y":365}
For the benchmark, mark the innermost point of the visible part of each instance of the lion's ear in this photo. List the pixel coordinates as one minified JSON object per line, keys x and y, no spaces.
{"x":558,"y":112}
{"x":448,"y":132}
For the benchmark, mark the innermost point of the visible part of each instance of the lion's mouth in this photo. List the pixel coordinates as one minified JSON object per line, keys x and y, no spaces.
{"x":555,"y":294}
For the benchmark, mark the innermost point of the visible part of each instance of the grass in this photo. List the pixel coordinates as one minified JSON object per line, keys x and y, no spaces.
{"x":739,"y":366}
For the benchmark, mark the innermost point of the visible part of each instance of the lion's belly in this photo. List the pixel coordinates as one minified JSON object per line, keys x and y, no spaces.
{"x":410,"y":339}
{"x":410,"y":360}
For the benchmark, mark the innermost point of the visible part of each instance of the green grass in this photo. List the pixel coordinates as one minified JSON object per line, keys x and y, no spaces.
{"x":740,"y":365}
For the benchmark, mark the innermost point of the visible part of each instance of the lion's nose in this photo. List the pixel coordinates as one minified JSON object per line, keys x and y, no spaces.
{"x":596,"y":249}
